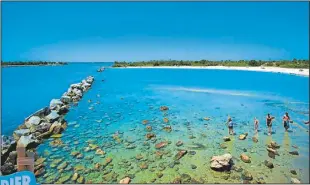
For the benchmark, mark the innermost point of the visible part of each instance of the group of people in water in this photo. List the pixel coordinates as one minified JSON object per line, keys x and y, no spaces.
{"x":286,"y":120}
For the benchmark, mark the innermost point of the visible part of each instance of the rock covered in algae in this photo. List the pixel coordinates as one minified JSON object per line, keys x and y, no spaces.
{"x":149,"y":128}
{"x":164,"y":108}
{"x":254,"y":139}
{"x":62,"y":165}
{"x":269,"y":164}
{"x":161,"y":145}
{"x":99,"y":152}
{"x":245,"y":158}
{"x":246,"y":175}
{"x":226,"y":138}
{"x":179,"y":143}
{"x":180,"y":154}
{"x":221,"y":163}
{"x":150,"y":136}
{"x":294,"y":152}
{"x":167,"y":128}
{"x":63,"y":179}
{"x":145,"y":122}
{"x":143,"y":166}
{"x":139,"y":156}
{"x":75,"y":176}
{"x":81,"y":180}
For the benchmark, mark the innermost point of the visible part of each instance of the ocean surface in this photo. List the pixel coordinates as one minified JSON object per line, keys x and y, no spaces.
{"x":111,"y":117}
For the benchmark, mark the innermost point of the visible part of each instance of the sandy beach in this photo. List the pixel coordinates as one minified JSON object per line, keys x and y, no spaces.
{"x":300,"y":72}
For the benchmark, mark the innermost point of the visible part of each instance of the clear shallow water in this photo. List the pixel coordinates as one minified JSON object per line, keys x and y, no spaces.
{"x":129,"y":96}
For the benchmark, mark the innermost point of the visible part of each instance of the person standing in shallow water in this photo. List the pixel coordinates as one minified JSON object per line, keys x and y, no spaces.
{"x":230,"y":126}
{"x":256,"y":123}
{"x":286,"y":121}
{"x":269,"y":123}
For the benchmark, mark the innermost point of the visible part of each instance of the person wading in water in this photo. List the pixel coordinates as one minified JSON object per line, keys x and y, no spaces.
{"x":286,"y":121}
{"x":256,"y":123}
{"x":230,"y":126}
{"x":269,"y":123}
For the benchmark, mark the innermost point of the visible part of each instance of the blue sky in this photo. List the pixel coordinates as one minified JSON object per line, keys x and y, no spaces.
{"x":133,"y":31}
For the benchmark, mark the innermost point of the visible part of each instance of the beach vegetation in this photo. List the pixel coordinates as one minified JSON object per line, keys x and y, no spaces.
{"x":295,"y":63}
{"x":31,"y":63}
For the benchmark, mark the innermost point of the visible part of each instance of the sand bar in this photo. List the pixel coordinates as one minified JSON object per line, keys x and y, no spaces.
{"x":292,"y":71}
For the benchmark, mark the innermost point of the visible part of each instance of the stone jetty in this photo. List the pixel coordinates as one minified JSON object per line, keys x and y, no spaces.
{"x":41,"y":125}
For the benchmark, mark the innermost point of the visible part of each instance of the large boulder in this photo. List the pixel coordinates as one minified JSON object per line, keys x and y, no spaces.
{"x":53,"y":116}
{"x":21,"y":132}
{"x":66,"y":99}
{"x":12,"y":157}
{"x":43,"y":127}
{"x":8,"y":168}
{"x":55,"y":104}
{"x":90,"y":79}
{"x":77,"y":92}
{"x":8,"y":145}
{"x":63,"y":110}
{"x":33,"y":121}
{"x":221,"y":163}
{"x":28,"y":142}
{"x":76,"y":86}
{"x":56,"y":128}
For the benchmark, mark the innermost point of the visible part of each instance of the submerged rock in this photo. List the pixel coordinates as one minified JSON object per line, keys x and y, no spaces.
{"x":149,"y":128}
{"x":164,"y":108}
{"x":294,"y":152}
{"x":226,"y":138}
{"x":185,"y":178}
{"x":180,"y":154}
{"x":221,"y":163}
{"x":145,"y":122}
{"x":295,"y":181}
{"x":143,"y":166}
{"x":245,"y":158}
{"x":254,"y":139}
{"x":150,"y":136}
{"x":75,"y":176}
{"x":167,"y":128}
{"x":275,"y":152}
{"x":161,"y":145}
{"x":269,"y":164}
{"x":166,"y":120}
{"x":273,"y":145}
{"x":126,"y":180}
{"x":246,"y":175}
{"x":242,"y":136}
{"x":179,"y":143}
{"x":293,"y":172}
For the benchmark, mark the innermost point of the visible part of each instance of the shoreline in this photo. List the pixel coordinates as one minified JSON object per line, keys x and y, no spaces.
{"x":291,"y":71}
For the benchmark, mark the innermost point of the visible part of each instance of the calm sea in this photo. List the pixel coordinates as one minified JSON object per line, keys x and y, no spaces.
{"x":129,"y":96}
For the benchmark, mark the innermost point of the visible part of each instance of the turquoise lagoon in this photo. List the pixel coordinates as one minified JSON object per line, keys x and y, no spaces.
{"x":110,"y":117}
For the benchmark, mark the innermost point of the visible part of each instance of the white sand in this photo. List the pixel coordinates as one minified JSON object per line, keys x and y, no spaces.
{"x":303,"y":72}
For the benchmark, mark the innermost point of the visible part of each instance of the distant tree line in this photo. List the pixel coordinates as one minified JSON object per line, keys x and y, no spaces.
{"x":241,"y":63}
{"x":31,"y":63}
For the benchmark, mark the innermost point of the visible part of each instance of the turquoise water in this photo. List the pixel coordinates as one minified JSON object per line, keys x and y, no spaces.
{"x":110,"y":117}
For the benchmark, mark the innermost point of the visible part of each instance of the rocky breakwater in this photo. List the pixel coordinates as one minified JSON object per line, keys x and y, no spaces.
{"x":43,"y":124}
